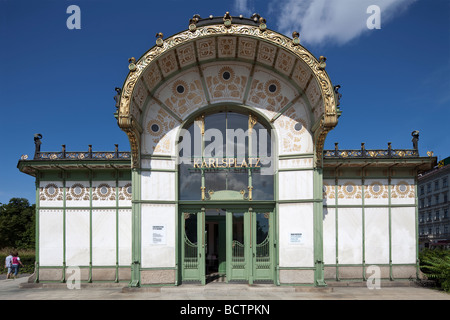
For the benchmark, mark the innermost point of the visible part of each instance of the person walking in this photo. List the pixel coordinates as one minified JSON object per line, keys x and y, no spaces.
{"x":8,"y":265}
{"x":15,"y":264}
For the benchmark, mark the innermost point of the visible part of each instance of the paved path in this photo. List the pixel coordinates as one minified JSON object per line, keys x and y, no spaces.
{"x":17,"y":290}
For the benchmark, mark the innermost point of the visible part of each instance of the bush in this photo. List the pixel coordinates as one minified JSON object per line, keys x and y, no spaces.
{"x":435,"y":264}
{"x":27,"y":257}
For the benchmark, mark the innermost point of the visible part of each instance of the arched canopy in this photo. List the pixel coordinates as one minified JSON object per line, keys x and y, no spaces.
{"x":210,"y":50}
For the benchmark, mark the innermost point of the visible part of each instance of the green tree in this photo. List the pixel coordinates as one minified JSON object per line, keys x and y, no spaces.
{"x":17,"y":224}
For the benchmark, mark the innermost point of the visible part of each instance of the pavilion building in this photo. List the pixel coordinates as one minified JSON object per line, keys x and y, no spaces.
{"x":227,"y":176}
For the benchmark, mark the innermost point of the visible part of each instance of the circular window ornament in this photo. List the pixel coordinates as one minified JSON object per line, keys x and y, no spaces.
{"x":376,"y":188}
{"x":226,"y":74}
{"x":272,"y":88}
{"x":127,"y":189}
{"x":180,"y":88}
{"x":402,"y":188}
{"x":51,"y":190}
{"x":154,"y":127}
{"x":103,"y":190}
{"x":349,"y":189}
{"x":77,"y":190}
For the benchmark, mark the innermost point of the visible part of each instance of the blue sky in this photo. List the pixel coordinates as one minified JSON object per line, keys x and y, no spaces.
{"x":60,"y":82}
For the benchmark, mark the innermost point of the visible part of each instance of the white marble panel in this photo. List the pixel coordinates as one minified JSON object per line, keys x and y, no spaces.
{"x":376,"y":191}
{"x":294,"y":219}
{"x":295,"y":185}
{"x":163,"y":254}
{"x":158,"y":186}
{"x":350,"y":235}
{"x":51,"y":237}
{"x":329,"y":192}
{"x":296,"y":163}
{"x":125,"y":193}
{"x":403,"y":230}
{"x":349,"y":191}
{"x":403,"y":191}
{"x":158,"y":164}
{"x":104,"y":237}
{"x":125,"y":237}
{"x":103,"y":193}
{"x":329,"y":235}
{"x":77,"y":238}
{"x":376,"y":231}
{"x":77,"y":194}
{"x":51,"y":194}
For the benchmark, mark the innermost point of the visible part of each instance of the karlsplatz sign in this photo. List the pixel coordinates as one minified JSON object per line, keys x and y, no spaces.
{"x":214,"y":163}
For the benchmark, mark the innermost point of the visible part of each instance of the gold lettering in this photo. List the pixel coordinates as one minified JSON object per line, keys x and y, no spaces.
{"x":244,"y":163}
{"x":196,"y":163}
{"x":224,"y":163}
{"x":204,"y":164}
{"x":212,"y":163}
{"x":257,"y":161}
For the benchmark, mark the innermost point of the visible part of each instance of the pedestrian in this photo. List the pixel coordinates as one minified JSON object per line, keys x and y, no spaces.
{"x":15,"y":264}
{"x":8,"y":265}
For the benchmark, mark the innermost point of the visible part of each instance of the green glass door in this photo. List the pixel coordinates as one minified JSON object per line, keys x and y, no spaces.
{"x":193,"y":246}
{"x":250,"y":240}
{"x":262,"y":245}
{"x":238,"y":261}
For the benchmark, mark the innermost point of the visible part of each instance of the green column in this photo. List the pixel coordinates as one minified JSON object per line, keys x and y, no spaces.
{"x":319,"y":280}
{"x":135,"y":229}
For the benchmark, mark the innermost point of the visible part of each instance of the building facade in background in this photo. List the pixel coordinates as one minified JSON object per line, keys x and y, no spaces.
{"x":434,"y":204}
{"x":227,"y":177}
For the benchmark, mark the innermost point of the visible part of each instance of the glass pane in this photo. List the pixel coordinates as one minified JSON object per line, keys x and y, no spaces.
{"x":262,"y":240}
{"x":190,"y":241}
{"x":262,"y":186}
{"x":237,"y":246}
{"x":190,"y":227}
{"x":189,"y":182}
{"x":262,"y":227}
{"x":226,"y":135}
{"x":237,"y":136}
{"x":215,"y":133}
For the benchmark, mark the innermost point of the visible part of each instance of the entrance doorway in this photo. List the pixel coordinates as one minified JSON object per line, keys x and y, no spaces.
{"x":227,"y":245}
{"x":215,"y":236}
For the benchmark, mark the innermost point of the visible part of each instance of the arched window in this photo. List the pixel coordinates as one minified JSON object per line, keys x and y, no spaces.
{"x":226,"y":156}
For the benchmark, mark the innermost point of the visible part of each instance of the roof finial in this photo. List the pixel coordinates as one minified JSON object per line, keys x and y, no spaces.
{"x":132,"y":65}
{"x":159,"y":40}
{"x":296,"y":38}
{"x":227,"y":19}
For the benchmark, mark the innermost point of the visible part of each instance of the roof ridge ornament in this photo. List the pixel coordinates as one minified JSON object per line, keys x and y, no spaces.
{"x":132,"y":64}
{"x":227,"y":20}
{"x":193,"y":22}
{"x":322,"y":63}
{"x":295,"y":38}
{"x":262,"y":24}
{"x":159,"y":40}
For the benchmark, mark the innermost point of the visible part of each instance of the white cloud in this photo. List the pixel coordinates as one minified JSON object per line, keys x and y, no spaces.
{"x":243,"y":7}
{"x":338,"y":21}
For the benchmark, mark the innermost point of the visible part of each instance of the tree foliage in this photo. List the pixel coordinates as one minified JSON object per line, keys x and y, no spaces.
{"x":17,"y":224}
